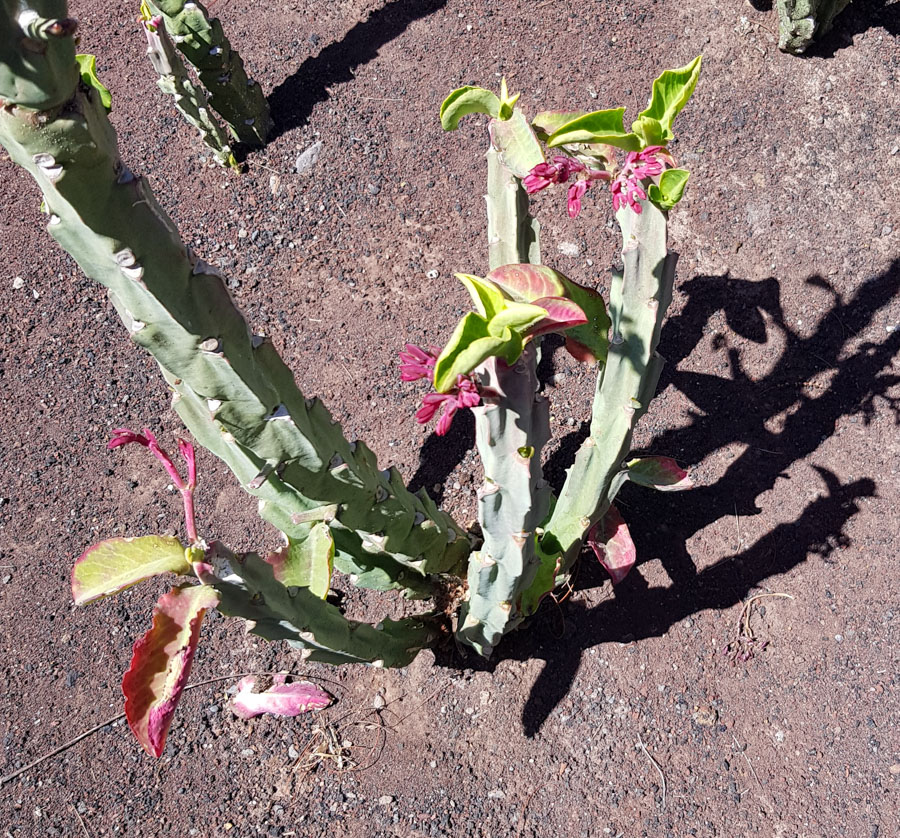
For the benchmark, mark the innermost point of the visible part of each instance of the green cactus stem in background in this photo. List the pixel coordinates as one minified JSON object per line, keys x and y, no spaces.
{"x":239,"y":100}
{"x":802,"y":21}
{"x":174,"y":81}
{"x":232,"y":388}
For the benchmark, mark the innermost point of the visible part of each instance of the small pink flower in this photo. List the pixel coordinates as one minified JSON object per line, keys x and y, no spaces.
{"x":576,"y":191}
{"x":416,"y":362}
{"x":465,"y":394}
{"x":639,"y":165}
{"x":559,"y":171}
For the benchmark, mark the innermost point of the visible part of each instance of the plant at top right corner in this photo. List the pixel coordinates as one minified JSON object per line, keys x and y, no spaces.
{"x":531,"y":538}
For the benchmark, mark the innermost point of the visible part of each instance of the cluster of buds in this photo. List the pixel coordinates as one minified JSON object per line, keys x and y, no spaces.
{"x":417,"y":363}
{"x":560,"y":170}
{"x":626,"y":186}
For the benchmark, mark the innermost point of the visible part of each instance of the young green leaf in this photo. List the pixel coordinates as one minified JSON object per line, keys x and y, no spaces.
{"x":598,"y":127}
{"x":487,"y":298}
{"x":519,"y":317}
{"x":466,"y":100}
{"x":547,"y":122}
{"x":118,"y":563}
{"x":306,"y":562}
{"x":588,"y":343}
{"x":469,"y":345}
{"x":161,"y":662}
{"x":650,"y":131}
{"x":671,"y":92}
{"x":87,"y":67}
{"x":507,"y":102}
{"x":670,"y":189}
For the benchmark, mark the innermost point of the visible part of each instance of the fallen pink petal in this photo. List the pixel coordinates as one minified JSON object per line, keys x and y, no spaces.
{"x":281,"y":699}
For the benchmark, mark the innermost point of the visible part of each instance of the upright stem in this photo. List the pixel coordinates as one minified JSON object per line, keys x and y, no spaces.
{"x":638,"y":303}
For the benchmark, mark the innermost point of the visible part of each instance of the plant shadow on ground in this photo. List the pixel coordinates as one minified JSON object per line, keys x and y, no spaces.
{"x":293,"y":100}
{"x":798,"y":399}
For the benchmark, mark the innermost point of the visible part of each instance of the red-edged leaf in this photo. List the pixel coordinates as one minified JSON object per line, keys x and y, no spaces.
{"x":117,"y":563}
{"x":612,"y":544}
{"x":661,"y":473}
{"x":281,"y":699}
{"x":161,"y":662}
{"x":527,"y":283}
{"x":579,"y":351}
{"x":562,"y":314}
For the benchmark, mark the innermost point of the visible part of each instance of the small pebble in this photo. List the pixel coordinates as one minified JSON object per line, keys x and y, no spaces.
{"x":307,"y":159}
{"x":18,"y":283}
{"x":432,"y":274}
{"x":385,"y":800}
{"x":378,"y":701}
{"x":569,"y":249}
{"x":293,"y":753}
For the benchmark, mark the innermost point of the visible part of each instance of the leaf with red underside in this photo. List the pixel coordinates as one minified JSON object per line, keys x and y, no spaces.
{"x":562,"y":314}
{"x":281,"y":699}
{"x":118,"y":563}
{"x":661,"y":473}
{"x":612,"y":544}
{"x":161,"y":662}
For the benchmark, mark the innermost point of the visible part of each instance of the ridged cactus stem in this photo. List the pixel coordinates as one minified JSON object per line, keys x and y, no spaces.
{"x":190,"y":101}
{"x":639,"y":299}
{"x":511,"y":428}
{"x":513,"y":235}
{"x":239,"y":100}
{"x":802,"y":21}
{"x":178,"y":308}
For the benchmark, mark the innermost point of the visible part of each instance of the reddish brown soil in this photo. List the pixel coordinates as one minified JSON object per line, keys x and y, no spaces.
{"x":781,"y":388}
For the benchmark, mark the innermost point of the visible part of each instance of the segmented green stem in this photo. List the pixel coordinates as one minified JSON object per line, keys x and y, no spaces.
{"x":638,"y":303}
{"x":236,"y":98}
{"x":189,"y":100}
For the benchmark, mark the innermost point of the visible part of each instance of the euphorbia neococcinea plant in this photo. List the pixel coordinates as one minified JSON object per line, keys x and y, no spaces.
{"x":528,"y":549}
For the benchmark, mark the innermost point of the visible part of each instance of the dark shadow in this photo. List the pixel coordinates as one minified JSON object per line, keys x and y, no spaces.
{"x":858,"y":17}
{"x":441,"y":454}
{"x":780,"y":419}
{"x":293,"y":100}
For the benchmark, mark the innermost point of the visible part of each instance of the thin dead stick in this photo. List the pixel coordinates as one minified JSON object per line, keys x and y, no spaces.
{"x":748,"y":608}
{"x":743,"y":753}
{"x":65,"y":747}
{"x":81,"y":821}
{"x":659,"y":770}
{"x":522,"y":817}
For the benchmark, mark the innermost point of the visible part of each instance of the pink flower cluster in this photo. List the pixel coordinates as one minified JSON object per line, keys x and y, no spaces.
{"x":560,"y":170}
{"x":625,"y":187}
{"x":639,"y":165}
{"x":417,"y":363}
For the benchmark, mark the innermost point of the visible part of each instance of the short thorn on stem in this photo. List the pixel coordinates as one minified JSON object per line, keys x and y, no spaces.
{"x":123,"y":436}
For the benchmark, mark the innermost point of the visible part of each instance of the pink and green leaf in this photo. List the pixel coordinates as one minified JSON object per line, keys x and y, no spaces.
{"x":281,"y":699}
{"x":306,"y":562}
{"x":486,"y":296}
{"x":527,"y":283}
{"x":671,"y":92}
{"x":561,"y":314}
{"x":161,"y":662}
{"x":611,"y":542}
{"x":118,"y":563}
{"x":661,"y":473}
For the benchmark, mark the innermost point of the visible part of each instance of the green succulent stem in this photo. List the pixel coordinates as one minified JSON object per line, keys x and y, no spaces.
{"x":639,"y":298}
{"x":802,"y":21}
{"x":190,"y":101}
{"x":232,"y":388}
{"x":239,"y":100}
{"x":511,"y":428}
